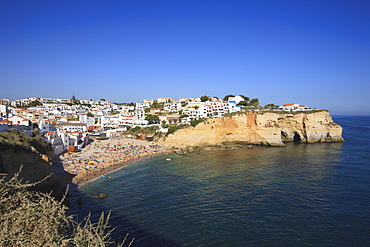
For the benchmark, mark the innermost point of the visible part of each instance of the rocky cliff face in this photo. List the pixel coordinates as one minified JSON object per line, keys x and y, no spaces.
{"x":272,"y":129}
{"x":32,"y":153}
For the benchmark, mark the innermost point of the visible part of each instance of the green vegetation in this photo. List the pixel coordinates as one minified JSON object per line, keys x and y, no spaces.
{"x":271,"y":106}
{"x":156,"y":104}
{"x":246,"y":102}
{"x":152,"y":118}
{"x":228,"y":96}
{"x":74,"y":101}
{"x":172,"y":129}
{"x":149,"y":130}
{"x":30,"y":218}
{"x":249,"y":103}
{"x":134,"y":130}
{"x":31,"y":104}
{"x":89,"y":114}
{"x":196,"y":122}
{"x":17,"y":141}
{"x":204,"y":98}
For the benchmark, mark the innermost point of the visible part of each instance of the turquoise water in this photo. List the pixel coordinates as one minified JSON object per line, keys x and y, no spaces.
{"x":299,"y":195}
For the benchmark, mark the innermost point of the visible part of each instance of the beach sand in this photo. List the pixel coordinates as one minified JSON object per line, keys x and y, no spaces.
{"x":101,"y":157}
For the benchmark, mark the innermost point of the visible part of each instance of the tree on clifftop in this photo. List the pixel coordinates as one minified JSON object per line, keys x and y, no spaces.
{"x":204,"y":98}
{"x":228,"y":96}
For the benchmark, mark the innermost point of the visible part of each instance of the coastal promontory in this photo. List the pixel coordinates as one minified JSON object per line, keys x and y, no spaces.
{"x":257,"y":128}
{"x":31,"y":156}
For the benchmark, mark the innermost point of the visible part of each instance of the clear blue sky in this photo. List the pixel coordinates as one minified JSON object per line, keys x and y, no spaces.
{"x":309,"y":52}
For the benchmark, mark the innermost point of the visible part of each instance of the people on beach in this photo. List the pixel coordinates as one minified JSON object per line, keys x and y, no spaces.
{"x":101,"y":157}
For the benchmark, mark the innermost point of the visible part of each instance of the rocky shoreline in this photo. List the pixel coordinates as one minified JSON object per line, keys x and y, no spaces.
{"x":102,"y":157}
{"x":251,"y":128}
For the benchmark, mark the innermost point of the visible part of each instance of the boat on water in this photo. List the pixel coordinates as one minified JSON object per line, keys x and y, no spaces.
{"x":98,"y":195}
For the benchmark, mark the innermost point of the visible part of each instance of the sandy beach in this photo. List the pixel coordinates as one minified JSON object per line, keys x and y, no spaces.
{"x":101,"y":157}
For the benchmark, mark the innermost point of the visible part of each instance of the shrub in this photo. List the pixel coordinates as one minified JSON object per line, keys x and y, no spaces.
{"x":196,"y":122}
{"x":30,"y":218}
{"x":136,"y":129}
{"x":16,"y":140}
{"x":172,"y":129}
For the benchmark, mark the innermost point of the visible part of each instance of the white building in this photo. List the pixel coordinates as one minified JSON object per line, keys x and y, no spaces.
{"x":164,"y":100}
{"x":22,"y":124}
{"x":87,"y":120}
{"x":142,"y":105}
{"x":233,"y":107}
{"x":293,"y":107}
{"x":216,"y":108}
{"x":5,"y":102}
{"x":71,"y":127}
{"x":139,"y":114}
{"x":173,"y":106}
{"x":236,"y":99}
{"x":46,"y":125}
{"x":150,"y":101}
{"x":5,"y":112}
{"x":5,"y":124}
{"x":56,"y":141}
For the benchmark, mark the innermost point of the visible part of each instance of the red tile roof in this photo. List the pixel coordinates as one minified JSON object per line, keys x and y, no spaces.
{"x":6,"y":121}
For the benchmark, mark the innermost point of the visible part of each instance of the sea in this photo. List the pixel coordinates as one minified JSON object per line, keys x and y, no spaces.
{"x":298,"y":195}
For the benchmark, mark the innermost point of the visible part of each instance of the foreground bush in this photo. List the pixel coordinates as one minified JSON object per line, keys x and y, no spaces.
{"x":30,"y":218}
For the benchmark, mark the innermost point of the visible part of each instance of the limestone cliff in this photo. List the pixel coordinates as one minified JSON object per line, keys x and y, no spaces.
{"x":272,"y":129}
{"x":33,"y":153}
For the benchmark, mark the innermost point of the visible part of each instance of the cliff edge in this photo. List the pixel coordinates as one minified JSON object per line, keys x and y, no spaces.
{"x":266,"y":128}
{"x":32,"y":153}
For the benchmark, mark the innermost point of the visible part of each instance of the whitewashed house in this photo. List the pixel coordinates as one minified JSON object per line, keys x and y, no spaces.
{"x":140,"y":106}
{"x":22,"y":124}
{"x":236,"y":99}
{"x":5,"y":124}
{"x":87,"y":120}
{"x":172,"y":107}
{"x":233,"y":107}
{"x":56,"y":141}
{"x":71,"y":127}
{"x":5,"y":112}
{"x":293,"y":107}
{"x":46,"y":125}
{"x":164,"y":100}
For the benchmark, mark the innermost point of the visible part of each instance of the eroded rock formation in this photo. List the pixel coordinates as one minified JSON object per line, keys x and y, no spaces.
{"x":272,"y":129}
{"x":33,"y":154}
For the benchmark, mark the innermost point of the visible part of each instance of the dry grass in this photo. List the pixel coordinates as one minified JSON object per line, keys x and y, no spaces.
{"x":30,"y":218}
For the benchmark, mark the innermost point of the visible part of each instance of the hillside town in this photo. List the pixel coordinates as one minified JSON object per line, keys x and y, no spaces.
{"x":69,"y":124}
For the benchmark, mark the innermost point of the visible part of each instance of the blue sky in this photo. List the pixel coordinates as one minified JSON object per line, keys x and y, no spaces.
{"x":309,"y":52}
